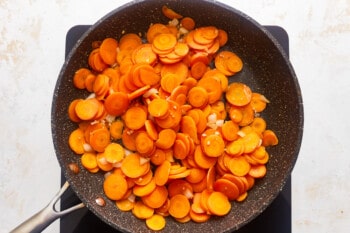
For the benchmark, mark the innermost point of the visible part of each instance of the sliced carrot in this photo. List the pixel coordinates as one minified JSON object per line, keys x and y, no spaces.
{"x":158,"y":157}
{"x":155,"y":29}
{"x":258,"y":102}
{"x":238,"y":94}
{"x":198,"y":96}
{"x":128,"y":139}
{"x":116,"y":103}
{"x":188,"y":23}
{"x":88,"y":160}
{"x":164,"y":43}
{"x":156,"y":222}
{"x":223,"y":37}
{"x":198,"y":69}
{"x":202,"y":160}
{"x":108,"y":50}
{"x":87,"y":108}
{"x":125,"y":204}
{"x":258,"y":124}
{"x":158,"y":107}
{"x":229,"y":130}
{"x":144,"y":179}
{"x":179,"y":206}
{"x":76,"y":141}
{"x":170,"y":13}
{"x":115,"y":186}
{"x":116,"y":129}
{"x":129,"y":41}
{"x":257,"y":171}
{"x":213,"y":145}
{"x":142,"y":211}
{"x":102,"y":162}
{"x":269,"y":138}
{"x":251,"y":141}
{"x":196,"y":175}
{"x":132,"y":166}
{"x":166,"y":139}
{"x":227,"y":187}
{"x":144,"y":54}
{"x":135,"y":117}
{"x":239,"y":166}
{"x":173,"y":118}
{"x":205,"y":35}
{"x":80,"y":76}
{"x":114,"y":152}
{"x":156,"y":198}
{"x":143,"y":190}
{"x":228,"y":63}
{"x":144,"y":144}
{"x":213,"y":86}
{"x":218,"y":204}
{"x":100,"y":139}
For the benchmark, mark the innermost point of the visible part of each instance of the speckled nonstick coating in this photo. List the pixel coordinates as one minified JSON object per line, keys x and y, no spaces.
{"x":266,"y":70}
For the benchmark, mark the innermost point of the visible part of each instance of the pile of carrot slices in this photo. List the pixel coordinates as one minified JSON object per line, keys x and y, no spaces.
{"x":173,"y":137}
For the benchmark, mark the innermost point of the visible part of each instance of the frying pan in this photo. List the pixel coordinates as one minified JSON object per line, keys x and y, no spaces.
{"x":267,"y":70}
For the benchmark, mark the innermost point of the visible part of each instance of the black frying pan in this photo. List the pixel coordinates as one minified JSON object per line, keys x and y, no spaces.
{"x":266,"y":70}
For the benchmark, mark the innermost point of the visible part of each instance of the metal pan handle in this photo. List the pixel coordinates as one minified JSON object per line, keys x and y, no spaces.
{"x":39,"y":221}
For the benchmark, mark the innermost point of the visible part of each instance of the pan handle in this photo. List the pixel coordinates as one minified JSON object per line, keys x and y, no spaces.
{"x":38,"y":222}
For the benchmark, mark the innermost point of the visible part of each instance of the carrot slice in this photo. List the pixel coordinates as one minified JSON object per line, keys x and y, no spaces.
{"x":116,"y":129}
{"x":142,"y":211}
{"x":239,"y":166}
{"x":269,"y":138}
{"x":226,"y":187}
{"x":108,"y":50}
{"x":238,"y":94}
{"x":196,"y":175}
{"x":116,"y":103}
{"x":88,"y":160}
{"x":158,"y":107}
{"x":144,"y":144}
{"x":213,"y":87}
{"x":170,"y":13}
{"x":218,"y":204}
{"x":154,"y":30}
{"x":80,"y":76}
{"x":188,"y":23}
{"x":166,"y":139}
{"x":100,"y":139}
{"x":87,"y":108}
{"x":202,"y":160}
{"x":143,"y":190}
{"x":257,"y":171}
{"x":135,"y":117}
{"x":76,"y":141}
{"x":115,"y":186}
{"x":213,"y":145}
{"x":198,"y":97}
{"x":156,"y":198}
{"x":125,"y":204}
{"x":129,"y":42}
{"x":179,"y":206}
{"x":114,"y":152}
{"x":156,"y":222}
{"x":144,"y":54}
{"x":132,"y":166}
{"x":164,"y":43}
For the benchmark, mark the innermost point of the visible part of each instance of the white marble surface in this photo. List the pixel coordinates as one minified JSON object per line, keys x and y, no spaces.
{"x":32,"y":42}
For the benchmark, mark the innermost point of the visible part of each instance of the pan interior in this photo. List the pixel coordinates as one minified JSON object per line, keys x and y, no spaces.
{"x":266,"y":70}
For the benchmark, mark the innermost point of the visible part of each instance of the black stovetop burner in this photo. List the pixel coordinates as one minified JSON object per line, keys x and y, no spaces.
{"x":275,"y":219}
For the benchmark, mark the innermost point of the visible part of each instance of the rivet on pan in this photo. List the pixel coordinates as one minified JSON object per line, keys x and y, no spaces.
{"x":74,"y":168}
{"x":100,"y":201}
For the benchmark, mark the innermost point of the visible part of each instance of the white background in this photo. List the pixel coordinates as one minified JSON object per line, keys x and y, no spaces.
{"x":32,"y":43}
